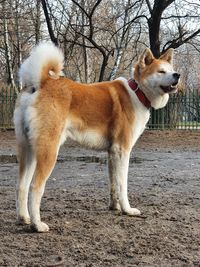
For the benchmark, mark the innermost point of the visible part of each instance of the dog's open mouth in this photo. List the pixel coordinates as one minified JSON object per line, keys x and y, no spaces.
{"x":169,"y":89}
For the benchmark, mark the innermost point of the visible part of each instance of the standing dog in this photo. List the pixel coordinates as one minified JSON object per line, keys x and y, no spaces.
{"x":108,"y":116}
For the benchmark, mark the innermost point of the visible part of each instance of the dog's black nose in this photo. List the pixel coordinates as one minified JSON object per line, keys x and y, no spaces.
{"x":176,"y":75}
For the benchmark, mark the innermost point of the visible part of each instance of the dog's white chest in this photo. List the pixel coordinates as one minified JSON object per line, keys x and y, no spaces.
{"x":141,"y":113}
{"x":141,"y":119}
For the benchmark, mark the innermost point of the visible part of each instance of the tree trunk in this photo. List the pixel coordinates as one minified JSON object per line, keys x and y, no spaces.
{"x":154,"y":29}
{"x":116,"y":65}
{"x":37,"y":22}
{"x":103,"y":67}
{"x":85,"y":57}
{"x":10,"y":78}
{"x":154,"y":40}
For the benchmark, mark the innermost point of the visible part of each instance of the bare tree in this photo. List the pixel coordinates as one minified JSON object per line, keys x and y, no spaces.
{"x":128,"y":31}
{"x":106,"y":29}
{"x":90,"y":37}
{"x":100,"y":39}
{"x":181,"y":36}
{"x":10,"y":76}
{"x":37,"y":21}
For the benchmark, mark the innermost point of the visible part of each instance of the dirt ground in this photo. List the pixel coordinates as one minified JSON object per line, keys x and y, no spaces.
{"x":164,"y":183}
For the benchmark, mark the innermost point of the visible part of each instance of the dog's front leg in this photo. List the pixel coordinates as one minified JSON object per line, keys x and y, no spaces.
{"x":118,"y":172}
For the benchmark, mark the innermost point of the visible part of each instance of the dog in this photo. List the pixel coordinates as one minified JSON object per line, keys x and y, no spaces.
{"x":108,"y":115}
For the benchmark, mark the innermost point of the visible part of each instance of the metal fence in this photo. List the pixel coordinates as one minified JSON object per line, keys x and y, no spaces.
{"x":8,"y":97}
{"x":181,"y":112}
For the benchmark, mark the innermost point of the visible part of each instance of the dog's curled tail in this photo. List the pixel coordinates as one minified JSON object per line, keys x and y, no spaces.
{"x":45,"y":60}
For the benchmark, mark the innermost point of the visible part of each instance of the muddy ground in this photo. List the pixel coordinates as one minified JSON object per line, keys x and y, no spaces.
{"x":164,"y":183}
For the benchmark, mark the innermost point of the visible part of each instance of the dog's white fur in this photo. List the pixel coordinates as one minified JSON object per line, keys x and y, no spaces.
{"x":112,"y":119}
{"x":31,"y":70}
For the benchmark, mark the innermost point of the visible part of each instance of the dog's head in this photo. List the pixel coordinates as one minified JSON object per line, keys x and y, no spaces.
{"x":156,"y":77}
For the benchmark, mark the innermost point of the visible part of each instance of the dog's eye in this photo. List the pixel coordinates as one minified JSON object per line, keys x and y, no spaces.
{"x":161,"y":71}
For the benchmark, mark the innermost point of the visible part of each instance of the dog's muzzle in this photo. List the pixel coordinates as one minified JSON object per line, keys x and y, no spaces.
{"x":171,"y":88}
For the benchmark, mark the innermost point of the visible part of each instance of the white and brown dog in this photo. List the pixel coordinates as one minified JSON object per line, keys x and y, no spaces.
{"x":108,"y":116}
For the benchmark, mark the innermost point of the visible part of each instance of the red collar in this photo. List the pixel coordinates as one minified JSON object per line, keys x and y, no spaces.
{"x":141,"y":96}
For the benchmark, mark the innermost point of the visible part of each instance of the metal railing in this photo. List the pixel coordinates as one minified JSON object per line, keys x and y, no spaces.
{"x":8,"y":97}
{"x":181,"y":112}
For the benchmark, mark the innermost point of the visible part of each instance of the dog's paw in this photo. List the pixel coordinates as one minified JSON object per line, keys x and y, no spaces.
{"x":132,"y":212}
{"x":23,"y":220}
{"x":40,"y":227}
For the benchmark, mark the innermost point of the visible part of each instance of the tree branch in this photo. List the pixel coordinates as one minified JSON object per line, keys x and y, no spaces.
{"x":180,"y":17}
{"x":49,"y":25}
{"x":179,"y":41}
{"x":81,"y":8}
{"x":149,"y":6}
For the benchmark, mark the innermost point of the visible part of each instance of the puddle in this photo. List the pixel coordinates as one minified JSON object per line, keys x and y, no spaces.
{"x":8,"y":159}
{"x":86,"y":159}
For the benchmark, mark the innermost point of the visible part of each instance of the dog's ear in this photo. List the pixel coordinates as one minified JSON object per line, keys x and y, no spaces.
{"x":146,"y":58}
{"x":168,"y":56}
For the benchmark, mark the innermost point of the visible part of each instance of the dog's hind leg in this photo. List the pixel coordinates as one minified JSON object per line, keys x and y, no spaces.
{"x":27,"y":165}
{"x":118,"y":171}
{"x":46,"y":155}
